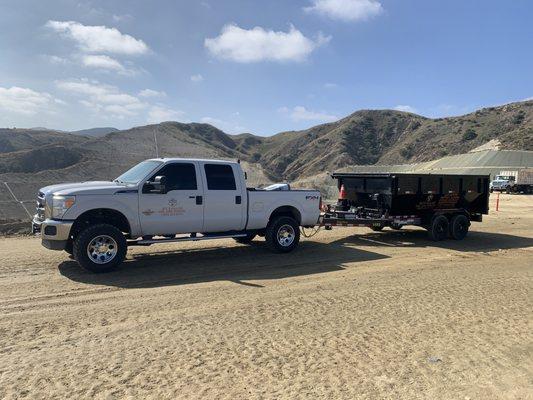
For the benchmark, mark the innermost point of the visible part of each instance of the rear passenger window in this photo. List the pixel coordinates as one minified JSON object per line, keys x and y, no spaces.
{"x":219,"y":177}
{"x":179,"y":176}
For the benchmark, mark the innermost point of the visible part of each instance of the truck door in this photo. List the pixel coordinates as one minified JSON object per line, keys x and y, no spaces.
{"x":180,"y":209}
{"x":224,"y":205}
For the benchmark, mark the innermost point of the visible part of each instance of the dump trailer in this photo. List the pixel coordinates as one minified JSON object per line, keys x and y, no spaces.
{"x":443,"y":204}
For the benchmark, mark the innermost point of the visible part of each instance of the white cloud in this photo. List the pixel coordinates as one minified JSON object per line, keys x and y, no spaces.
{"x":106,"y":63}
{"x":151,"y":93}
{"x":102,"y":98}
{"x":346,"y":10}
{"x":197,"y":78}
{"x":26,"y":101}
{"x":406,"y":108}
{"x":300,"y":113}
{"x":56,"y":60}
{"x":258,"y":44}
{"x":330,"y":85}
{"x":99,"y":39}
{"x":160,"y":113}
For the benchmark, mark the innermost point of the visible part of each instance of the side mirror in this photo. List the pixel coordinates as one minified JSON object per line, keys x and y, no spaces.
{"x":245,"y":175}
{"x":158,"y":185}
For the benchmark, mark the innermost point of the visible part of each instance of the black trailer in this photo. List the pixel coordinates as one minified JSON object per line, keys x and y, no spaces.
{"x":442,"y":204}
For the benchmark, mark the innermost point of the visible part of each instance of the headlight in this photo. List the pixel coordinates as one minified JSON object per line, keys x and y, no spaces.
{"x":61,"y":204}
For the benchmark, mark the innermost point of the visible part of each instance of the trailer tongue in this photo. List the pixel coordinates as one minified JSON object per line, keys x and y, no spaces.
{"x":442,"y":204}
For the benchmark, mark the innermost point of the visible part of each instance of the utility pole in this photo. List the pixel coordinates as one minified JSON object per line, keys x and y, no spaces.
{"x":155,"y":142}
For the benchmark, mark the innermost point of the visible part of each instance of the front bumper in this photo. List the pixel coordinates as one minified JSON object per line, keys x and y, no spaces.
{"x":54,"y":234}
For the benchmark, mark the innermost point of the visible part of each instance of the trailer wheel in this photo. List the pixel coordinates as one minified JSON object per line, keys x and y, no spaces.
{"x":459,"y":226}
{"x":100,"y":248}
{"x":245,"y":239}
{"x":439,"y":228}
{"x":282,"y":234}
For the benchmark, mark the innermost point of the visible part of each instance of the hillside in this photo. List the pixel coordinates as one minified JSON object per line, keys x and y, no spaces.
{"x":94,"y":132}
{"x":32,"y":158}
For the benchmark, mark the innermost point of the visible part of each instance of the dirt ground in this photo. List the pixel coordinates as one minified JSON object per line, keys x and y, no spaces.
{"x":351,"y":314}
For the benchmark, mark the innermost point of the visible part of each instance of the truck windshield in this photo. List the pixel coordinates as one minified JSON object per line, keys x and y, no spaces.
{"x":139,"y":172}
{"x":503,"y":178}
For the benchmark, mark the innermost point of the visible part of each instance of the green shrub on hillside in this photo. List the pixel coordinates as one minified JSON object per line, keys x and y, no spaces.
{"x":470,"y":134}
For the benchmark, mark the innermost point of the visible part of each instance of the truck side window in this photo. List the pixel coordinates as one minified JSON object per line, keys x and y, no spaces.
{"x":219,"y":177}
{"x":180,"y":176}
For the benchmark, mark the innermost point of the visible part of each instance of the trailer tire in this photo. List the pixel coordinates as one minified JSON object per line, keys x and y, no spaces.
{"x":459,"y":227}
{"x":282,"y":234}
{"x":246,"y":239}
{"x":438,"y":229}
{"x":100,"y":248}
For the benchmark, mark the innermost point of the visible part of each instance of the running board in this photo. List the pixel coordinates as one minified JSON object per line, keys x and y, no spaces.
{"x":144,"y":242}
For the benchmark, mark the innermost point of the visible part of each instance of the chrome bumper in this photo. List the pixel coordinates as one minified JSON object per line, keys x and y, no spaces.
{"x":54,"y":234}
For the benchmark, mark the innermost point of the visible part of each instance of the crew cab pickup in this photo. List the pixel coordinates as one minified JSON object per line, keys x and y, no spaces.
{"x":168,"y":200}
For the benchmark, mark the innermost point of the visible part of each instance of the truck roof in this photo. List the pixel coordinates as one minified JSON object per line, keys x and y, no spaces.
{"x":166,"y":159}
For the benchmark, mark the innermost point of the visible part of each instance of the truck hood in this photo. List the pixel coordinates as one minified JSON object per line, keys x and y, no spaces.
{"x":81,"y":188}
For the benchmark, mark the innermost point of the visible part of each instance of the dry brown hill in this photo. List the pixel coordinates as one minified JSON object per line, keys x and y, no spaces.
{"x":31,"y":158}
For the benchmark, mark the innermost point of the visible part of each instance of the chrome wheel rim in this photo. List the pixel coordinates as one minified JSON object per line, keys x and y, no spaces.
{"x":102,"y":249}
{"x":286,"y":235}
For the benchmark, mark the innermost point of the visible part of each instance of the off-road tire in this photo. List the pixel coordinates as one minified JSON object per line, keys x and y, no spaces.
{"x":246,"y":239}
{"x":85,"y":237}
{"x":459,"y":227}
{"x":275,"y":228}
{"x":438,"y":230}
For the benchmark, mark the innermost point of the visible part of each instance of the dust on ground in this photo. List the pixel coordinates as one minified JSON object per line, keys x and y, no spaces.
{"x":350,"y":314}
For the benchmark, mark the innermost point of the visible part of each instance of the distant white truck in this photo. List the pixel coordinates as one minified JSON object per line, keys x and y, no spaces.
{"x":515,"y":181}
{"x":158,"y":200}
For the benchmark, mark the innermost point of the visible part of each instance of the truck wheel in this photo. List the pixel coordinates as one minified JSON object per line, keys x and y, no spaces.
{"x":396,"y":227}
{"x":282,"y":234}
{"x":376,"y":228}
{"x":459,"y":227}
{"x":245,"y":239}
{"x":439,"y":228}
{"x":100,"y":248}
{"x":508,"y":190}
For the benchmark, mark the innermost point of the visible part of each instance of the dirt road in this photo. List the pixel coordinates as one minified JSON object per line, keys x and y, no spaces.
{"x":350,"y":314}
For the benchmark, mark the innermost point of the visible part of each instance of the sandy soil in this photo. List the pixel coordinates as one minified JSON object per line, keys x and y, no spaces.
{"x":351,"y":314}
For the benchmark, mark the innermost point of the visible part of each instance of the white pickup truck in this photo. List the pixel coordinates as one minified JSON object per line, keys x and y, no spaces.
{"x":168,"y":200}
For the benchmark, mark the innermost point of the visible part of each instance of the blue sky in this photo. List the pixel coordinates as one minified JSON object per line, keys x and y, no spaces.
{"x":257,"y":66}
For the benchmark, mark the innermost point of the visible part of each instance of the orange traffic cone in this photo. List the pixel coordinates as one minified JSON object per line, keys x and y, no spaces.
{"x":342,"y":193}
